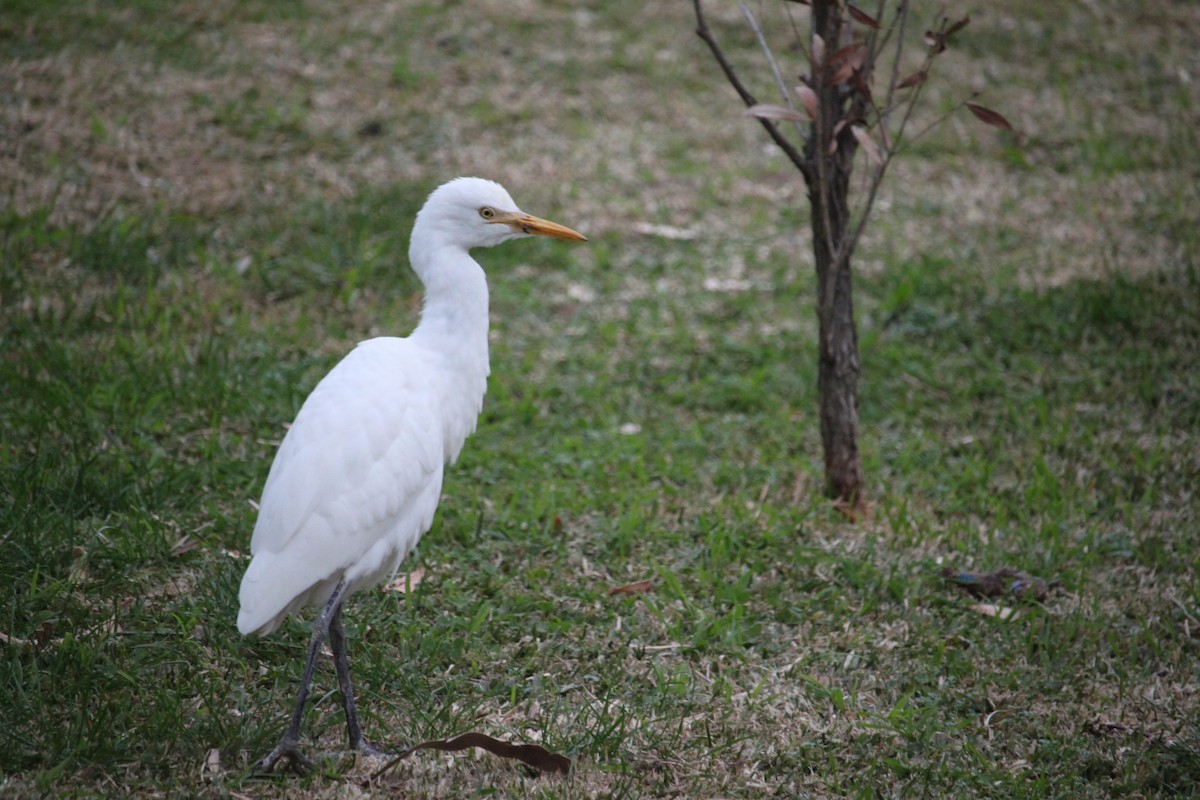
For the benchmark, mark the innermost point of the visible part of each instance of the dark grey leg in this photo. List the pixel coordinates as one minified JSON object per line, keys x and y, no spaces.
{"x":289,"y":745}
{"x":337,"y":643}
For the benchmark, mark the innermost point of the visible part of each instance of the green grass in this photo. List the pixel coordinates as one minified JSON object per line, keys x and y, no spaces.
{"x":1031,"y":398}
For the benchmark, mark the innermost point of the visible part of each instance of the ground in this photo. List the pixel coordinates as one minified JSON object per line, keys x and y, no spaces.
{"x":205,"y":205}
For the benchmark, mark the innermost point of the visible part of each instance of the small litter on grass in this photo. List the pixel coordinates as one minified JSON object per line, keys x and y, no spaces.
{"x":185,"y":544}
{"x":637,"y":587}
{"x":402,"y":584}
{"x":1006,"y":581}
{"x":533,"y":755}
{"x":1003,"y":613}
{"x":16,"y":641}
{"x":664,"y":231}
{"x":211,"y":767}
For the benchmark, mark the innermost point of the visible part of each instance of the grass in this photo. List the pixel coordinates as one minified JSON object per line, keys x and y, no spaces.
{"x":205,"y":210}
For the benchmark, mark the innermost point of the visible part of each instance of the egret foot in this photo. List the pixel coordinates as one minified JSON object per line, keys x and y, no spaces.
{"x":287,"y":748}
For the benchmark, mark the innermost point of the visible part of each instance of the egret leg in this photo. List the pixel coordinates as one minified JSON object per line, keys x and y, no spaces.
{"x":289,"y":744}
{"x":337,"y":643}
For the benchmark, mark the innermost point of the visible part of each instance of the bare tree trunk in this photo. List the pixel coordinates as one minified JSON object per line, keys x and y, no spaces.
{"x":838,"y":364}
{"x":831,"y":149}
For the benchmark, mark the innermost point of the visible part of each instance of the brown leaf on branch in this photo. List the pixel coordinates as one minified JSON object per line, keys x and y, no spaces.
{"x":842,"y":75}
{"x":989,"y":117}
{"x":916,"y":79}
{"x":534,"y":755}
{"x":637,"y":587}
{"x":862,"y":87}
{"x":956,"y":27}
{"x":855,"y":54}
{"x":808,"y":99}
{"x":937,"y":39}
{"x":769,"y":111}
{"x":848,"y":60}
{"x":818,"y":50}
{"x":863,"y":17}
{"x":883,"y":135}
{"x":868,"y":145}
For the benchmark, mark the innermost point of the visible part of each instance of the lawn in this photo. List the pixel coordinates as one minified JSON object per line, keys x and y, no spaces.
{"x":203,"y":206}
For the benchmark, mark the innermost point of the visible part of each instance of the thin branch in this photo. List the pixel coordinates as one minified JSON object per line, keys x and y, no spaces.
{"x":851,"y":241}
{"x":901,"y":9}
{"x":766,"y":48}
{"x":898,"y":138}
{"x":899,"y":25}
{"x":794,"y":155}
{"x":909,"y":139}
{"x":926,"y":65}
{"x":762,"y":41}
{"x":796,"y":31}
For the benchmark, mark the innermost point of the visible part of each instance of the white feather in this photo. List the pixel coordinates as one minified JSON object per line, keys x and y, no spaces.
{"x":356,"y":481}
{"x":354,"y":484}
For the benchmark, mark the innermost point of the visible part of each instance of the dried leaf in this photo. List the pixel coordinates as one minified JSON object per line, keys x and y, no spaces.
{"x":44,"y":635}
{"x":183,"y":545}
{"x":841,"y":75}
{"x":665,"y":231}
{"x":855,"y":54}
{"x":818,"y":51}
{"x":534,"y":755}
{"x":637,"y":587}
{"x":714,"y":284}
{"x":989,"y":117}
{"x":916,"y":79}
{"x":956,"y":27}
{"x":402,"y":584}
{"x":768,"y":111}
{"x":883,"y":136}
{"x":867,"y":144}
{"x":863,"y":17}
{"x":862,"y":87}
{"x":211,"y":767}
{"x":1003,"y":613}
{"x":848,"y":60}
{"x":808,"y":99}
{"x":853,"y":511}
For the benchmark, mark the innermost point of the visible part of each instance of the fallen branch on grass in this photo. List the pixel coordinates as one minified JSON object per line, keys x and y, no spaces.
{"x":534,"y":755}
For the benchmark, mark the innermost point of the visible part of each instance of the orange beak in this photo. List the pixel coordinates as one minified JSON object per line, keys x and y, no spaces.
{"x":527,"y":223}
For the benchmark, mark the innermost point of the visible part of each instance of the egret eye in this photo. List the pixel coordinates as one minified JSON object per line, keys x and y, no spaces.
{"x":487,"y":213}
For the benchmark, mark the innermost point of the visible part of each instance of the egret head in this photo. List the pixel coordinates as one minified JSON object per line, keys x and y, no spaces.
{"x":474,"y":212}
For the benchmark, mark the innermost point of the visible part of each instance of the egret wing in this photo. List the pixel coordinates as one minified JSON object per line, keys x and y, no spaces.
{"x":354,"y":484}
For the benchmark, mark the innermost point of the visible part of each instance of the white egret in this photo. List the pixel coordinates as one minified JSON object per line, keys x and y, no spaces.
{"x":356,"y":481}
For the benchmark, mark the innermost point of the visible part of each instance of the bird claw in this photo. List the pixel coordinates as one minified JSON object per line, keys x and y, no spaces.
{"x":289,"y":749}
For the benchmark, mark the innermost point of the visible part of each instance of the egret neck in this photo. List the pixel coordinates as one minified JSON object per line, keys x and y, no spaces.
{"x":454,"y":324}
